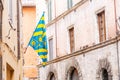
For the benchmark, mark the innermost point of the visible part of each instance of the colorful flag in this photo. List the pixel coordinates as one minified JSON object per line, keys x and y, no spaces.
{"x":38,"y":40}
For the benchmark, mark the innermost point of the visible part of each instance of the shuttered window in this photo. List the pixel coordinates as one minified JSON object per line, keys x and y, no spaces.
{"x":101,"y":24}
{"x":71,"y":34}
{"x":51,"y":49}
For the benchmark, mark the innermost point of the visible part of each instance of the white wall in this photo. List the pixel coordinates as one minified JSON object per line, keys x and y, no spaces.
{"x":85,"y":24}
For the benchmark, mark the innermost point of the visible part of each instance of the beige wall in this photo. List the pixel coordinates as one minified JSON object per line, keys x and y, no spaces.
{"x":12,"y":42}
{"x":9,"y":58}
{"x":9,"y":45}
{"x":30,"y":57}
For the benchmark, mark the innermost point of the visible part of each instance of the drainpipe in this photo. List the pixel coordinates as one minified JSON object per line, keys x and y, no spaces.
{"x":115,"y":15}
{"x":1,"y":59}
{"x":117,"y":45}
{"x":18,"y":30}
{"x":1,"y":9}
{"x":55,"y":28}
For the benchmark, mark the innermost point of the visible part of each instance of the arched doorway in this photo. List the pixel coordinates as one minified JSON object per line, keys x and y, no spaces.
{"x":52,"y":77}
{"x":104,"y":71}
{"x":104,"y":74}
{"x":74,"y":75}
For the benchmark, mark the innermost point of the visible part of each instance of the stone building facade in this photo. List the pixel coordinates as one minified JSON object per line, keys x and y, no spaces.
{"x":83,"y":40}
{"x":10,"y":40}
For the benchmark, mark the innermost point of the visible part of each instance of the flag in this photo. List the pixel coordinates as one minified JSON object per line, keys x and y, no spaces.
{"x":38,"y":40}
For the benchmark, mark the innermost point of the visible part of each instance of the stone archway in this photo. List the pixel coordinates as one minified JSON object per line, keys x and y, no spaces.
{"x":73,"y":64}
{"x":104,"y":64}
{"x":52,"y":71}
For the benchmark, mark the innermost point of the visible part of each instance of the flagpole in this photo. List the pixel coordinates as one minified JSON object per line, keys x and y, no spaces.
{"x":25,"y":49}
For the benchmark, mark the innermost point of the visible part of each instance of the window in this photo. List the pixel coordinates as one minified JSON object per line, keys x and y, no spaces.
{"x":104,"y":74}
{"x":49,"y":10}
{"x":101,"y":25}
{"x":74,"y":75}
{"x":71,"y":35}
{"x":10,"y":11}
{"x":69,"y":4}
{"x":51,"y":49}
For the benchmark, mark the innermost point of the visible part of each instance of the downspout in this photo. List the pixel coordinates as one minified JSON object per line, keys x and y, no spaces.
{"x":1,"y":10}
{"x":115,"y":15}
{"x":55,"y":29}
{"x":117,"y":45}
{"x":18,"y":30}
{"x":1,"y":59}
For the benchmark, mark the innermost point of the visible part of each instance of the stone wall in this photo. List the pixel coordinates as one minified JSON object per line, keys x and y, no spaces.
{"x":89,"y":64}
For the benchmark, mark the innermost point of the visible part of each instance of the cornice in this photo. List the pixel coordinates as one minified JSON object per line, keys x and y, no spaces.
{"x":84,"y":50}
{"x":66,"y":12}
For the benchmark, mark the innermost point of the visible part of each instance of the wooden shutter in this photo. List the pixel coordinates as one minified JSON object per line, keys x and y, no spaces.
{"x":101,"y":24}
{"x":71,"y":33}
